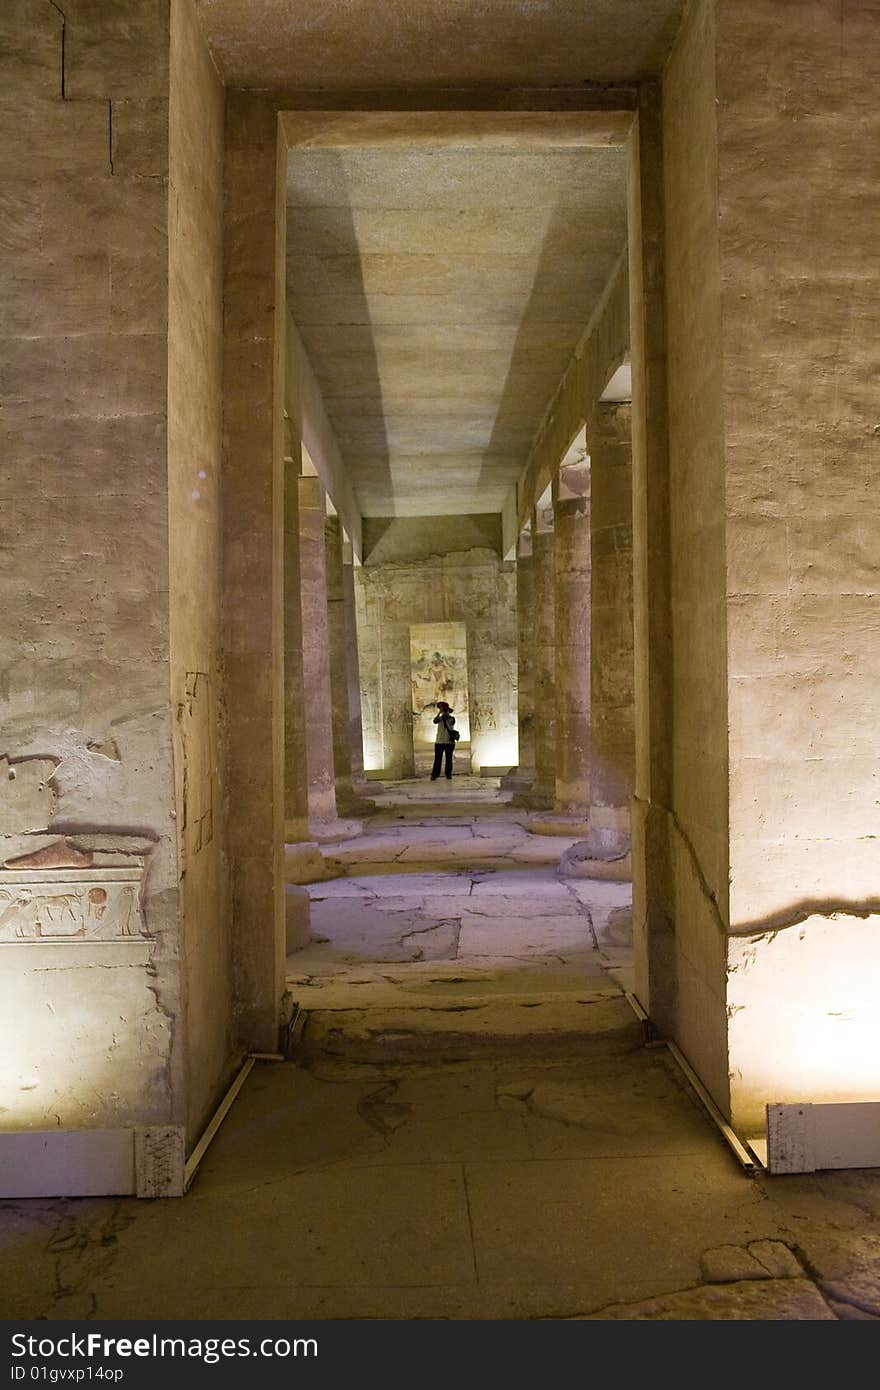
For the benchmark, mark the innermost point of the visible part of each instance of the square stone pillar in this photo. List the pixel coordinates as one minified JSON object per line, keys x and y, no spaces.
{"x":520,"y":778}
{"x":347,"y":737}
{"x":571,"y":558}
{"x":612,"y":735}
{"x":256,"y":571}
{"x":296,"y":776}
{"x":338,"y":664}
{"x":317,"y":711}
{"x":755,"y":284}
{"x":352,"y":671}
{"x":653,"y":900}
{"x":605,"y":852}
{"x":798,"y":312}
{"x":543,"y":568}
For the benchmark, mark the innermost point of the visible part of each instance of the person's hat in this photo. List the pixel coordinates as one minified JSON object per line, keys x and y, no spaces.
{"x":441,"y":704}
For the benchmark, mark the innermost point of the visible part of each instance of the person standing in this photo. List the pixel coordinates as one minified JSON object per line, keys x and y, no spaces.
{"x":444,"y":743}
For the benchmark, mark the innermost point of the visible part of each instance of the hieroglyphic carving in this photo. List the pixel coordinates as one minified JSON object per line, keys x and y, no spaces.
{"x":70,"y":905}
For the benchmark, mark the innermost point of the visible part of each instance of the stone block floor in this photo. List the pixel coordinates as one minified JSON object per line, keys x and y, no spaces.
{"x":471,"y":1127}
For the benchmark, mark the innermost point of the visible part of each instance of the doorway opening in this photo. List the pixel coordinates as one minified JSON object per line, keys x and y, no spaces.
{"x":438,"y":671}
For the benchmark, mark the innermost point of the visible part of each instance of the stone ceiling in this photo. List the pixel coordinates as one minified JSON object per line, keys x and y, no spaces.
{"x":440,"y":293}
{"x":346,"y":45}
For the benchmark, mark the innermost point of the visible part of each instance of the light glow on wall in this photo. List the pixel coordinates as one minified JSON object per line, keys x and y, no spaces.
{"x":497,"y":748}
{"x":373,"y":755}
{"x":75,"y":1054}
{"x":802,"y":1005}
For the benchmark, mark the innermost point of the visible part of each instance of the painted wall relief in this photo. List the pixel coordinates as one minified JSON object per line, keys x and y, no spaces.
{"x":86,"y":887}
{"x":439,"y":671}
{"x":70,"y":905}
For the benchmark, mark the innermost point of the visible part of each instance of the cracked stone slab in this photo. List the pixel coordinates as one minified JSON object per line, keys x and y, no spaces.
{"x":365,"y":931}
{"x":382,"y":885}
{"x":339,"y":888}
{"x":777,"y":1300}
{"x":498,"y":905}
{"x":857,"y":1284}
{"x":602,"y":1023}
{"x":726,"y":1264}
{"x":540,"y":851}
{"x":521,"y":936}
{"x":595,"y":893}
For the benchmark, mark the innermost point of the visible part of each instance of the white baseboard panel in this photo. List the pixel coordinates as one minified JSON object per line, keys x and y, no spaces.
{"x":807,"y":1138}
{"x":145,"y":1162}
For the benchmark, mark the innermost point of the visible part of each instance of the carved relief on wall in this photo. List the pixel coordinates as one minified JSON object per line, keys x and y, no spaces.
{"x":438,"y":671}
{"x":86,"y":887}
{"x":70,"y":904}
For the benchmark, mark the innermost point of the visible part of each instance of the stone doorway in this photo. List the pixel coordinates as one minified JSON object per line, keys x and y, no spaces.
{"x":438,"y":671}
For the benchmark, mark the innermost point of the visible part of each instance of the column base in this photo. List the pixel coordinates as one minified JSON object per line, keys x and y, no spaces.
{"x":559,"y":823}
{"x":330,"y":832}
{"x":595,"y":857}
{"x":351,"y":803}
{"x":304,"y":863}
{"x":361,"y":787}
{"x":518,"y":779}
{"x":533,"y":799}
{"x":297,"y":917}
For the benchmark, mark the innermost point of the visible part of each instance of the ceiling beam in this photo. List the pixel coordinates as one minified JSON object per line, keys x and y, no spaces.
{"x":516,"y":131}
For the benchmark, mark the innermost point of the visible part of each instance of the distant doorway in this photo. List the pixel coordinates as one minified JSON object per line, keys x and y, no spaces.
{"x":438,"y":671}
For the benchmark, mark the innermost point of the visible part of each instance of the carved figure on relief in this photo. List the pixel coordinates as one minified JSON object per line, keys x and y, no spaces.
{"x":64,"y":911}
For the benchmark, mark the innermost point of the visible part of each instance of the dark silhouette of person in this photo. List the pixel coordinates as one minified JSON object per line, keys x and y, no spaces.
{"x":444,"y":743}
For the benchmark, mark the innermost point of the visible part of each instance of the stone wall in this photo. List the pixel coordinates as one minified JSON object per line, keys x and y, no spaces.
{"x":256,"y":490}
{"x":473,"y":587}
{"x":89,"y":939}
{"x":195,"y":364}
{"x":771,"y":300}
{"x":696,"y":543}
{"x":798,"y":174}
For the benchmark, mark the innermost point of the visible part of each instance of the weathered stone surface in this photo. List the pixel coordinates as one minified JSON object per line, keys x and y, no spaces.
{"x":27,"y":799}
{"x":726,"y":1264}
{"x":304,"y":862}
{"x":787,"y":1301}
{"x":297,"y":917}
{"x":193,"y":307}
{"x":254,"y":597}
{"x":86,"y":709}
{"x":604,"y":1025}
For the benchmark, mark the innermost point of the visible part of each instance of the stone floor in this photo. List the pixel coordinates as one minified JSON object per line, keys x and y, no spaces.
{"x":471,"y":1127}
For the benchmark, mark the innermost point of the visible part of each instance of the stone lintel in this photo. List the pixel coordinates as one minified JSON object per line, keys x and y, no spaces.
{"x":462,"y":129}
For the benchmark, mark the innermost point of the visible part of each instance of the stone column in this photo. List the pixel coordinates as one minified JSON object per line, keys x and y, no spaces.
{"x":297,"y":904}
{"x":543,"y":789}
{"x":571,"y":569}
{"x":341,"y":720}
{"x":296,"y":779}
{"x":605,"y":852}
{"x":653,"y":906}
{"x":253,"y":485}
{"x":352,"y":671}
{"x":396,"y":695}
{"x":612,"y":740}
{"x":520,"y":778}
{"x":317,"y":711}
